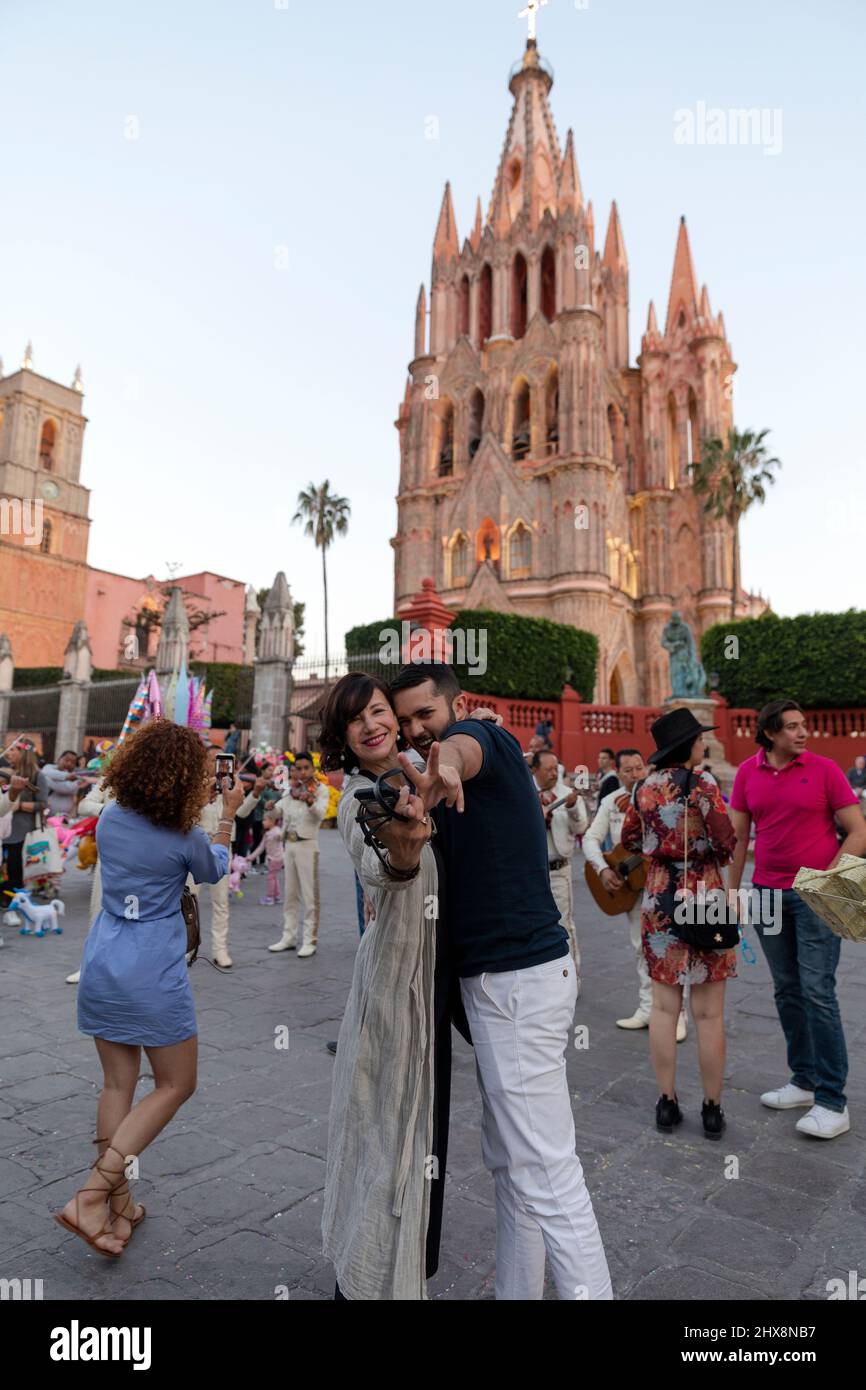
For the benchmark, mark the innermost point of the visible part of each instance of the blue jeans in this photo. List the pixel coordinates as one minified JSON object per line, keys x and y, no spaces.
{"x":802,"y":958}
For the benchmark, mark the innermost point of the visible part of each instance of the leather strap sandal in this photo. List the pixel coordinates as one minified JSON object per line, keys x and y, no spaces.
{"x":75,"y":1226}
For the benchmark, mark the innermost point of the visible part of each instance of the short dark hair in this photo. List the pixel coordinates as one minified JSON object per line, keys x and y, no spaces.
{"x":304,"y":754}
{"x":626,"y":753}
{"x":444,"y":680}
{"x":352,"y":693}
{"x":609,"y":751}
{"x":541,"y":753}
{"x":770,"y":719}
{"x":69,"y":753}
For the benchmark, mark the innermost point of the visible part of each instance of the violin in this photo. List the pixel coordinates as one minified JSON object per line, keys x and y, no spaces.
{"x":300,"y":791}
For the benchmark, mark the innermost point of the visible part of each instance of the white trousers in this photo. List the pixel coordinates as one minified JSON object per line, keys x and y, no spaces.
{"x":562,"y":889}
{"x":521,"y":1025}
{"x":302,"y":879}
{"x":219,"y":911}
{"x":645,"y":985}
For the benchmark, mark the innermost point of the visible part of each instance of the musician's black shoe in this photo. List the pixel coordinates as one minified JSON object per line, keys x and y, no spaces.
{"x":332,"y":1047}
{"x":668,"y":1114}
{"x":713,"y":1117}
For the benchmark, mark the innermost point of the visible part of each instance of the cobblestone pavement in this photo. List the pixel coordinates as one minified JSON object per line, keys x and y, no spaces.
{"x":234,"y":1187}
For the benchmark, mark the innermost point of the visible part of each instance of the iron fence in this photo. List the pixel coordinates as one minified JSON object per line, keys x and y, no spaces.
{"x":34,"y":714}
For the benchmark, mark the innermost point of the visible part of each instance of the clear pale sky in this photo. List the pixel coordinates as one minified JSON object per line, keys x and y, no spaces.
{"x":219,"y":383}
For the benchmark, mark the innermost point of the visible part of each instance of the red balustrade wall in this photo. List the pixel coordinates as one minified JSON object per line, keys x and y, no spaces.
{"x":581,"y":731}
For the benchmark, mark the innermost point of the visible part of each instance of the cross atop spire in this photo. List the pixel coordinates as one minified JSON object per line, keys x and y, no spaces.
{"x":532,"y":8}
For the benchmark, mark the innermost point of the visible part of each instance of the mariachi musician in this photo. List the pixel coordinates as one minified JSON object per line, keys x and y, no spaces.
{"x":608,"y":822}
{"x":563,"y":823}
{"x":302,"y":809}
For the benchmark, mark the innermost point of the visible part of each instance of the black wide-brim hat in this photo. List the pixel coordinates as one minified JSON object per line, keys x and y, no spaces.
{"x":673,"y":729}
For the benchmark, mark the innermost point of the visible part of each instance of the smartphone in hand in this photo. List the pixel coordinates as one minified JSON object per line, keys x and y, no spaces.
{"x":225,"y":767}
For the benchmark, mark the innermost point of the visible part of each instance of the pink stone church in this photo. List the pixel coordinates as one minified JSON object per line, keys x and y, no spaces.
{"x":540,"y":471}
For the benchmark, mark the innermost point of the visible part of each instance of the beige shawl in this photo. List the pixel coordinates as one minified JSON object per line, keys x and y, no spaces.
{"x":377,"y":1188}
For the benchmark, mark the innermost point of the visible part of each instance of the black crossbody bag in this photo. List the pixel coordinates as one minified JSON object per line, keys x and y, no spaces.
{"x":702,"y":936}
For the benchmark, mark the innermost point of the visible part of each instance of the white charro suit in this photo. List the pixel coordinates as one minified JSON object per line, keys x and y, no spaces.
{"x":565,"y":823}
{"x":301,"y":840}
{"x":609,"y":821}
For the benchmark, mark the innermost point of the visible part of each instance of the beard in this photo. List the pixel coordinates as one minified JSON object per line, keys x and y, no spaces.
{"x":422,"y":745}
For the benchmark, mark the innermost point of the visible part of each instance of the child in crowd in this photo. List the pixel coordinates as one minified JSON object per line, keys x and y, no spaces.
{"x":272,"y":847}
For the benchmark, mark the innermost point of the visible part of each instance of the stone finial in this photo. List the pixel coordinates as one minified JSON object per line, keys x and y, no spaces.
{"x":78,"y":657}
{"x":252,"y":612}
{"x":173,"y":649}
{"x":7,"y":663}
{"x":1,"y":368}
{"x":76,"y":381}
{"x":277,"y":629}
{"x":27,"y":359}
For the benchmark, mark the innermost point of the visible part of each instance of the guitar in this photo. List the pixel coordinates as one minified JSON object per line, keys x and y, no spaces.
{"x":631,"y":868}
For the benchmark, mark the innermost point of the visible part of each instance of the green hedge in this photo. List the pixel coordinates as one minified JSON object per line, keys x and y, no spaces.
{"x":34,"y":677}
{"x":232,"y":691}
{"x":526,"y":658}
{"x":364,"y":639}
{"x":817,"y":659}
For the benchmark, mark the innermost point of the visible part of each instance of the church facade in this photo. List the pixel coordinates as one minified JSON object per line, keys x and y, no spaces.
{"x":540,"y":472}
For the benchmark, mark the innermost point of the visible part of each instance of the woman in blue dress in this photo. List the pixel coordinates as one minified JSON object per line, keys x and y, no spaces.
{"x":134,"y":991}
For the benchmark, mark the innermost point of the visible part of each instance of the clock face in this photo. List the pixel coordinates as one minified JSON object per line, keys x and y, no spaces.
{"x":50,"y":491}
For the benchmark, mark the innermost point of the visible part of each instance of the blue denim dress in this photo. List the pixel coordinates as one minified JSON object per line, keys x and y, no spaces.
{"x":134,"y":986}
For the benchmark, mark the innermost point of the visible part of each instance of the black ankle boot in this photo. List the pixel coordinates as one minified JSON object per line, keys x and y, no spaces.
{"x":668,"y":1114}
{"x":713,"y":1117}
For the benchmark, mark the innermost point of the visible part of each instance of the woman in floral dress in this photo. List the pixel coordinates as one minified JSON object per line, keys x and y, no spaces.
{"x":654,"y":825}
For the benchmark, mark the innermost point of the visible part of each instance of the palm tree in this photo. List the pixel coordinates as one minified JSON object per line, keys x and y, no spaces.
{"x":324,"y":516}
{"x":732,"y":477}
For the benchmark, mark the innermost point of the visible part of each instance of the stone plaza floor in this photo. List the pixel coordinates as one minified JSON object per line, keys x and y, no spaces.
{"x":233,"y":1188}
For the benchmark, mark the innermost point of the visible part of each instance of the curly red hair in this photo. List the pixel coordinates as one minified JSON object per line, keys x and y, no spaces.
{"x":161,"y":771}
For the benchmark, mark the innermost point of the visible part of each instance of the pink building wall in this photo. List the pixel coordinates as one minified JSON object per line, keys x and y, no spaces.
{"x":110,"y":598}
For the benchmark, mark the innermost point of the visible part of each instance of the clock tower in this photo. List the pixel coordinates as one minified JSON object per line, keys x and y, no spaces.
{"x":44,"y":519}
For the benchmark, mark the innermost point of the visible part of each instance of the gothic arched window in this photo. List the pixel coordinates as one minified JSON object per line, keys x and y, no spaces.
{"x":521,"y":434}
{"x":551,"y":411}
{"x":548,"y":284}
{"x":520,"y":551}
{"x":692,"y":426}
{"x":518,"y":296}
{"x":459,"y":561}
{"x":463,"y":308}
{"x":445,"y":453}
{"x":46,"y":446}
{"x":485,"y":305}
{"x":476,"y":421}
{"x":45,"y":542}
{"x":673,"y":451}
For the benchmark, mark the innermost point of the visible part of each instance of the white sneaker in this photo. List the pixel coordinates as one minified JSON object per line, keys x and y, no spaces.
{"x":282,"y":945}
{"x":787,"y":1097}
{"x":682,"y":1026}
{"x":637,"y":1020}
{"x":73,"y":979}
{"x":822,"y":1123}
{"x":308,"y":949}
{"x":11,"y":919}
{"x":222,"y":960}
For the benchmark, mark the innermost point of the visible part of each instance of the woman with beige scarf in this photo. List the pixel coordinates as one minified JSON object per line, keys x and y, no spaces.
{"x":388,"y":1129}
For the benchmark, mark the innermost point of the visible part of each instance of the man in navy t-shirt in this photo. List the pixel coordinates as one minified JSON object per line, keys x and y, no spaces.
{"x":517,"y":980}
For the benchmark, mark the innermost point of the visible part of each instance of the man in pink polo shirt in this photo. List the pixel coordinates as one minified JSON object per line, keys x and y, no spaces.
{"x":794,"y":798}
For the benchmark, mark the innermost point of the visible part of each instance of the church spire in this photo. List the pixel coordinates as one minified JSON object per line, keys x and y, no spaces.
{"x":529,"y":167}
{"x":684,"y":286}
{"x":446,"y":246}
{"x":614,"y":246}
{"x":570,"y":192}
{"x":475,"y":238}
{"x":421,"y":323}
